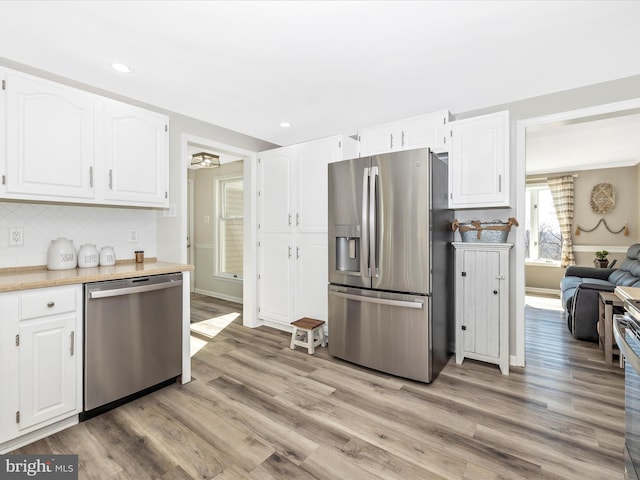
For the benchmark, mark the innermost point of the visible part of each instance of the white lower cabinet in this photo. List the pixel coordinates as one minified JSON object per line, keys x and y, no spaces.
{"x":293,"y":277}
{"x":41,"y":362}
{"x":482,"y":302}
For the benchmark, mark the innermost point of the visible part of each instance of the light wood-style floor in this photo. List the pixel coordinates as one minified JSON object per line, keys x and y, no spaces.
{"x":258,"y":410}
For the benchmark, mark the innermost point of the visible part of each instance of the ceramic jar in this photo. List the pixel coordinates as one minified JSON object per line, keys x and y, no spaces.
{"x":61,"y":255}
{"x":107,"y":256}
{"x":88,"y":256}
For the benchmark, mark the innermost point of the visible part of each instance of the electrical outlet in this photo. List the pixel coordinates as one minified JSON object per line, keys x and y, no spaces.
{"x":133,"y":235}
{"x":16,"y":237}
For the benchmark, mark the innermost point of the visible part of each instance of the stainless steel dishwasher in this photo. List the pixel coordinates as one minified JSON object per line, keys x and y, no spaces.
{"x":132,"y":338}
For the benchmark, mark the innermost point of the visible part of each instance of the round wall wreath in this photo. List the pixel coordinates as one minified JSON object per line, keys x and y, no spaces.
{"x":603,"y":198}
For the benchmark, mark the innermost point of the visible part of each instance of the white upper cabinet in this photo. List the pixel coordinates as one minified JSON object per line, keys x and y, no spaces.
{"x":429,"y":130}
{"x":49,"y":139}
{"x":479,"y":162}
{"x":312,"y":186}
{"x":292,"y":186}
{"x":135,"y":155}
{"x":68,"y":145}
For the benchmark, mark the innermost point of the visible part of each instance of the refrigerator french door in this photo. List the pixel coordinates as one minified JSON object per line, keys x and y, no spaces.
{"x":389,"y":234}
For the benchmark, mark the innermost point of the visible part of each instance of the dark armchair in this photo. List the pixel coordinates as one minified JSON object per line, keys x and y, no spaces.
{"x":581,"y":286}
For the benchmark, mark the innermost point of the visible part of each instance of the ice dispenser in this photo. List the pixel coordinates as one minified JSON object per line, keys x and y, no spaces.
{"x":348,"y":248}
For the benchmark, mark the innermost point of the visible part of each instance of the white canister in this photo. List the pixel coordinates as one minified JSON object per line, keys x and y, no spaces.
{"x":88,"y":256}
{"x":61,"y":255}
{"x":107,"y":256}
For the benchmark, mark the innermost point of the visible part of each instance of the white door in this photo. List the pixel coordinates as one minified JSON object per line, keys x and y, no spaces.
{"x":49,"y":139}
{"x":311,"y":187}
{"x":275,"y":212}
{"x":425,"y":131}
{"x":47,"y":366}
{"x":275,"y":286}
{"x":311,"y":276}
{"x":478,"y":162}
{"x":381,"y":139}
{"x":481,"y":302}
{"x":136,"y":162}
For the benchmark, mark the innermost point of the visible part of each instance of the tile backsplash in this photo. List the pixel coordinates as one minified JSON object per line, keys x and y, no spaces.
{"x":101,"y":226}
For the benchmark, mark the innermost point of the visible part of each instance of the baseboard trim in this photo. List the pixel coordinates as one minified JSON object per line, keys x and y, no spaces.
{"x":542,"y":291}
{"x":221,"y":296}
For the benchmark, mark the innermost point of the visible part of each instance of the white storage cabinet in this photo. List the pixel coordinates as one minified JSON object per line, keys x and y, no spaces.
{"x":40,"y":363}
{"x":479,"y":162}
{"x":292,"y":231}
{"x":67,"y":145}
{"x":430,"y":130}
{"x":482,"y":302}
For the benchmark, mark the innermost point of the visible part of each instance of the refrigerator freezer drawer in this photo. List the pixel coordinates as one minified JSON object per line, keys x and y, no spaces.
{"x":384,"y":331}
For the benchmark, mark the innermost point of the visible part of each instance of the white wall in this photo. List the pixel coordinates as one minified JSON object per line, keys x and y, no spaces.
{"x":101,"y":226}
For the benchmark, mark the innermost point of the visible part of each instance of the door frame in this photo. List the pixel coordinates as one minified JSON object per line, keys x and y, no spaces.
{"x":521,"y":181}
{"x":249,"y":282}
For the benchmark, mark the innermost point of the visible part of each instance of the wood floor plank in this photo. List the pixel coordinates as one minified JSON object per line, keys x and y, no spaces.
{"x":257,"y":410}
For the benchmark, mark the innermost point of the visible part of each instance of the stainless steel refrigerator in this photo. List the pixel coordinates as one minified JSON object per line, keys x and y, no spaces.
{"x":390,"y":263}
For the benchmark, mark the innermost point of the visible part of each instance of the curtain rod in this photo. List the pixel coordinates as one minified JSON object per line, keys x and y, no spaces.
{"x":533,"y":179}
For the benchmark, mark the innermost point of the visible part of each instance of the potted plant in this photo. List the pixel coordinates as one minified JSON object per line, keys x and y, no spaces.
{"x":601,"y":259}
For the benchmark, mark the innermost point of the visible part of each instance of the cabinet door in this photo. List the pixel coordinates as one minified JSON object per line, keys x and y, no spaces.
{"x":275,"y":286}
{"x":481,"y":302}
{"x":275,"y":212}
{"x":311,"y":276}
{"x":136,"y":162}
{"x":49,"y":140}
{"x":381,"y":139}
{"x":312,"y":160}
{"x":47,"y":366}
{"x":426,"y":131}
{"x":479,"y":162}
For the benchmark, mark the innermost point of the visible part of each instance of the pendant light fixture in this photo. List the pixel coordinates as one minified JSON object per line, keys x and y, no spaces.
{"x":204,"y":159}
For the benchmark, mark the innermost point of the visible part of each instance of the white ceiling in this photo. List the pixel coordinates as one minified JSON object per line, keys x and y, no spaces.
{"x":327,"y":67}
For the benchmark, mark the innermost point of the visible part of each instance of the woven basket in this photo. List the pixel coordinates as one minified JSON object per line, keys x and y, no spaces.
{"x":495,"y":231}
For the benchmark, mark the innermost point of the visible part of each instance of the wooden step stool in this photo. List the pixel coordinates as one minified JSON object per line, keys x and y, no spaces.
{"x":304,"y":332}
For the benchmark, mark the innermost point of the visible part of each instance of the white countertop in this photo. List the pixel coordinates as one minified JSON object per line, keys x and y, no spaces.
{"x":14,"y":279}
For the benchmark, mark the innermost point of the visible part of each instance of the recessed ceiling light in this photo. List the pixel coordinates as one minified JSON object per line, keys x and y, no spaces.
{"x":121,"y":67}
{"x":285,"y":124}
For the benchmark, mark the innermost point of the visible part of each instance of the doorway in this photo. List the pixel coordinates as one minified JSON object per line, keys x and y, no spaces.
{"x":525,"y":129}
{"x":217,"y":221}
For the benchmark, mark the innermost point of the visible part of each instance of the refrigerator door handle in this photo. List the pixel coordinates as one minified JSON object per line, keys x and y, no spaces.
{"x":380,"y":301}
{"x":364,"y":245}
{"x":373,"y":221}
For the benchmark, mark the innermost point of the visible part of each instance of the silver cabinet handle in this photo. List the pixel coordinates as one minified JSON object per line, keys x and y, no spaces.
{"x":391,"y":143}
{"x":72,"y":347}
{"x":110,"y":179}
{"x":297,"y":253}
{"x":499,"y":183}
{"x":91,"y":177}
{"x":50,"y":303}
{"x":402,"y":138}
{"x":297,"y":219}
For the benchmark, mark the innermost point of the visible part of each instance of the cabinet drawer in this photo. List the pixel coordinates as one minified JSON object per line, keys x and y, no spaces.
{"x":47,"y":302}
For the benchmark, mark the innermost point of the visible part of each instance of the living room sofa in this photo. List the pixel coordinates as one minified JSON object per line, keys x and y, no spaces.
{"x":581,"y":287}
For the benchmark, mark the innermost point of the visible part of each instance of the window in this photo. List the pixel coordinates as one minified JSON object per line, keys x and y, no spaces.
{"x":230,"y":227}
{"x":545,"y":244}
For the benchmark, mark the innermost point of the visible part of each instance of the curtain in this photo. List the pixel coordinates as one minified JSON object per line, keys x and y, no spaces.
{"x":562,"y":193}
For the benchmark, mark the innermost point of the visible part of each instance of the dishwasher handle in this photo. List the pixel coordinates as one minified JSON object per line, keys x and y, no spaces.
{"x":129,"y":290}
